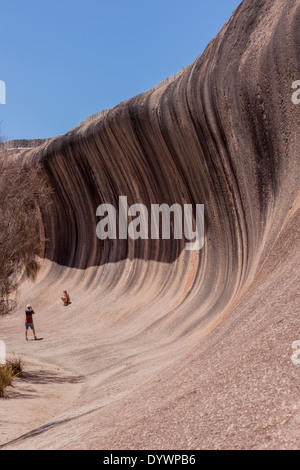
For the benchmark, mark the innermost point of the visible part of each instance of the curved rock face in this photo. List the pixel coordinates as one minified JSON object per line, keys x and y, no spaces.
{"x":224,"y":133}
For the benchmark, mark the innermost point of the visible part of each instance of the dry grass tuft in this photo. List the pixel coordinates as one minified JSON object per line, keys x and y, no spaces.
{"x":13,"y":368}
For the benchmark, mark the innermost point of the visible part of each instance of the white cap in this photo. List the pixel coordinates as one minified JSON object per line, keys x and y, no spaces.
{"x":28,"y":306}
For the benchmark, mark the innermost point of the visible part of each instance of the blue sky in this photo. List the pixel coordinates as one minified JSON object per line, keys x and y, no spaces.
{"x":64,"y":60}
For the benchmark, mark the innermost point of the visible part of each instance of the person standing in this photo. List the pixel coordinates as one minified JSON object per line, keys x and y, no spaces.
{"x":29,"y":321}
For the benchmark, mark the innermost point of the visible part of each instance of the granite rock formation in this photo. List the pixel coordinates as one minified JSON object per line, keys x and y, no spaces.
{"x":182,"y":349}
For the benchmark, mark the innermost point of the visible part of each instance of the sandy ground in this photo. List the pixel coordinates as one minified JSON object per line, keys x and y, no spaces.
{"x":41,"y":393}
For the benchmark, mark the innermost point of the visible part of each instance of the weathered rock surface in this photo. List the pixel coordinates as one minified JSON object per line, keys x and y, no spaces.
{"x":181,"y":349}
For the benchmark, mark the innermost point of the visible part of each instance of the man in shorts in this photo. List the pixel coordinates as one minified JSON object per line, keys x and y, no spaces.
{"x":29,"y":321}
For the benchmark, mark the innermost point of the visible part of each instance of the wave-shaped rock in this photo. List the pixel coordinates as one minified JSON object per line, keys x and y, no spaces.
{"x":220,"y":135}
{"x":223,"y":133}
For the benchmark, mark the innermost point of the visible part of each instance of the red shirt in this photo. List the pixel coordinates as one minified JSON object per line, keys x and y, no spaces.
{"x":28,"y":314}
